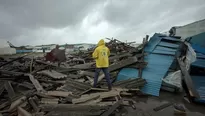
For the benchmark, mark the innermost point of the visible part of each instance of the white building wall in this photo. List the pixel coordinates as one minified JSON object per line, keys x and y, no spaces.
{"x":191,"y":29}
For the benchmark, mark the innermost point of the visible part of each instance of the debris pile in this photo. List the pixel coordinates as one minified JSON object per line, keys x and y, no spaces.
{"x":31,"y":86}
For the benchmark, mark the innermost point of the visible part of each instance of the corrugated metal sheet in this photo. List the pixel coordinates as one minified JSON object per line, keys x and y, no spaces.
{"x":170,"y":45}
{"x":199,"y":82}
{"x":198,"y":48}
{"x":199,"y":63}
{"x":198,"y":39}
{"x":200,"y":55}
{"x":159,"y":60}
{"x":171,"y":38}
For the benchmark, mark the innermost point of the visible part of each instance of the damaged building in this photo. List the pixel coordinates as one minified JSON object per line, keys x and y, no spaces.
{"x":161,"y":65}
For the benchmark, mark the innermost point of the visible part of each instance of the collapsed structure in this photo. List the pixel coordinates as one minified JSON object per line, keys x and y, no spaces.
{"x":32,"y":86}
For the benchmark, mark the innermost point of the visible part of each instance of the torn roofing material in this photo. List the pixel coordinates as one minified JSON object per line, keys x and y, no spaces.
{"x":159,"y":58}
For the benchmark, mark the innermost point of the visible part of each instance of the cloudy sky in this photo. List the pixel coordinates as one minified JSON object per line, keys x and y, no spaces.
{"x":37,"y":22}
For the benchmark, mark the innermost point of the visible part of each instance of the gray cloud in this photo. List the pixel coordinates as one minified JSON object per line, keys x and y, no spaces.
{"x":33,"y":14}
{"x":64,"y":21}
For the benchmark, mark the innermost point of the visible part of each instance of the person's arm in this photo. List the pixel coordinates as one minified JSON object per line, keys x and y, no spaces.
{"x":95,"y":54}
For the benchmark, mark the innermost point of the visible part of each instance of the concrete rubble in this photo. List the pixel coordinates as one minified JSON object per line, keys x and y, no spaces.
{"x":31,"y":86}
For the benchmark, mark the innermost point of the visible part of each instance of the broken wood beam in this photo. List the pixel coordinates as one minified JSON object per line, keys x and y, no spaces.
{"x":58,"y":93}
{"x":112,"y":108}
{"x":13,"y":60}
{"x":10,"y":90}
{"x":23,"y":112}
{"x":71,"y":107}
{"x":36,"y":84}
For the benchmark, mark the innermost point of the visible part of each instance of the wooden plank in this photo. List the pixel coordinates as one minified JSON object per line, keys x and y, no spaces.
{"x":112,"y":109}
{"x":85,"y":99}
{"x":33,"y":104}
{"x":35,"y":82}
{"x":23,"y":112}
{"x":188,"y":80}
{"x":9,"y":89}
{"x":16,"y":103}
{"x":71,"y":107}
{"x":53,"y":74}
{"x":49,"y":101}
{"x":102,"y":95}
{"x":1,"y":87}
{"x":158,"y":108}
{"x":58,"y":93}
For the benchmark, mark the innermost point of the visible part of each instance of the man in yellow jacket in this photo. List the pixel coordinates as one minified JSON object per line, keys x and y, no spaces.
{"x":101,"y":56}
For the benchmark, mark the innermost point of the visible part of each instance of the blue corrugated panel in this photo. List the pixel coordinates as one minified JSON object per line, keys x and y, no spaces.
{"x":163,"y":52}
{"x":199,"y":63}
{"x":198,"y":39}
{"x":165,"y":49}
{"x":199,"y":83}
{"x":159,"y":60}
{"x":200,"y":55}
{"x":154,"y":40}
{"x":198,"y":48}
{"x":155,"y":70}
{"x":166,"y":44}
{"x":171,"y":38}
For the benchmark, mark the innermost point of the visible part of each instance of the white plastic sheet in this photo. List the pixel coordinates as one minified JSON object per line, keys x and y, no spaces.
{"x":190,"y":56}
{"x":174,"y":78}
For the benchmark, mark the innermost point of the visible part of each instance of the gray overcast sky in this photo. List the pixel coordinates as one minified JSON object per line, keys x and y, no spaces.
{"x":37,"y":22}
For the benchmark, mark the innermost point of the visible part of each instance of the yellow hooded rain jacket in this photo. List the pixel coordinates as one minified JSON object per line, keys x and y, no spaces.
{"x":101,"y":55}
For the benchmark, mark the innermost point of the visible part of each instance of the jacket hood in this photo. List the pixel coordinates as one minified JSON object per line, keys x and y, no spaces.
{"x":101,"y":42}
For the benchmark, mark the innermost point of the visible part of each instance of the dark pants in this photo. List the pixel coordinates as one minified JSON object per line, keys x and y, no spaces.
{"x":107,"y":76}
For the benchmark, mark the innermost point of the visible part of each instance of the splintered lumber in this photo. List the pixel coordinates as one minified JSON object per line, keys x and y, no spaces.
{"x":49,"y":101}
{"x":13,"y":60}
{"x":23,"y":112}
{"x":112,"y":108}
{"x":53,"y":74}
{"x":33,"y":104}
{"x":16,"y":103}
{"x":162,"y":106}
{"x":58,"y":93}
{"x":35,"y":82}
{"x":99,"y":95}
{"x":71,"y":107}
{"x":102,"y":95}
{"x":85,"y":99}
{"x":188,"y":80}
{"x":75,"y":113}
{"x":9,"y":89}
{"x":87,"y":73}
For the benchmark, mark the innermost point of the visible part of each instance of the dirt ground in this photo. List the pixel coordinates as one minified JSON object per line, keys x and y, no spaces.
{"x":144,"y":106}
